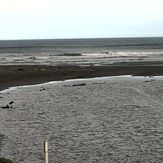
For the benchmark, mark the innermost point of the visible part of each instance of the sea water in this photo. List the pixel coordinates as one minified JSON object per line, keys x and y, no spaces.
{"x":79,"y":51}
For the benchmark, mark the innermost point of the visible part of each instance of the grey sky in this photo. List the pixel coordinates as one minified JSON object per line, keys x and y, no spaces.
{"x":32,"y":19}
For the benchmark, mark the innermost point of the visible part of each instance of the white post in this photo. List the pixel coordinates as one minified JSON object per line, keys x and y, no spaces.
{"x":46,"y":151}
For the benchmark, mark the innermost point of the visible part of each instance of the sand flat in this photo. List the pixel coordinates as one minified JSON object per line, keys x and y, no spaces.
{"x":116,"y":119}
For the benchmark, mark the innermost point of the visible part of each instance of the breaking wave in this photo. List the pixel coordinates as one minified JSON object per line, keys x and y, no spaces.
{"x":113,"y":54}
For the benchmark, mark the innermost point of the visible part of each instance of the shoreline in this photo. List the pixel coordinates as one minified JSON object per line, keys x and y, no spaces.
{"x":19,"y":75}
{"x":83,"y":80}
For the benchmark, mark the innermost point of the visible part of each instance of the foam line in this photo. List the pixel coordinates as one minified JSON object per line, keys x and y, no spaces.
{"x":84,"y":79}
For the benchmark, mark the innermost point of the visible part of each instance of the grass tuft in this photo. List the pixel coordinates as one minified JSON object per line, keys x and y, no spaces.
{"x":4,"y":160}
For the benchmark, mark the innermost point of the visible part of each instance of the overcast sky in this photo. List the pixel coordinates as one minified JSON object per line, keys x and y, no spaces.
{"x":41,"y":19}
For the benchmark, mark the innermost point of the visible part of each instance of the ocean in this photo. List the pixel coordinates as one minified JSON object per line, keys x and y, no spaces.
{"x":56,"y":51}
{"x":59,"y":46}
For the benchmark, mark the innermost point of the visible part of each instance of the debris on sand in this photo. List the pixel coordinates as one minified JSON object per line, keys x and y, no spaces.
{"x":42,"y":89}
{"x":76,"y":85}
{"x":11,"y":102}
{"x":8,"y":106}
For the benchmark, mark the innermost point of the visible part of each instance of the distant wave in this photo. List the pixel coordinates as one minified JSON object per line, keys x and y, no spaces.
{"x":70,"y":54}
{"x":123,"y":54}
{"x":119,"y":53}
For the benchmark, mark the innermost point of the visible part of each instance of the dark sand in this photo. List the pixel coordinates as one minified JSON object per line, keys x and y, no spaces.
{"x":15,"y":75}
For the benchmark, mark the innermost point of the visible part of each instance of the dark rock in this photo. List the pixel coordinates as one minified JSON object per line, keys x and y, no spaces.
{"x":20,"y":69}
{"x":70,"y":54}
{"x":79,"y":76}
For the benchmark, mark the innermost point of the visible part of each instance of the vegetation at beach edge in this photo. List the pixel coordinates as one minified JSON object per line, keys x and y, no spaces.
{"x":4,"y":160}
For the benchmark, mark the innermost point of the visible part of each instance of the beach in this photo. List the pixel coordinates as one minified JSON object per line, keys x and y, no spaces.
{"x":93,"y":100}
{"x":112,"y":119}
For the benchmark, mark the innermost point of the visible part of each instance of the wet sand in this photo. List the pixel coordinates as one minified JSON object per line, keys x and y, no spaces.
{"x":15,"y":75}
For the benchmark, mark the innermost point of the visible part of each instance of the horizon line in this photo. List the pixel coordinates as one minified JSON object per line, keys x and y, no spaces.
{"x":80,"y":38}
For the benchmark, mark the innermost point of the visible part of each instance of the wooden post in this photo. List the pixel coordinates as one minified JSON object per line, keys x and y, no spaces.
{"x":46,"y":151}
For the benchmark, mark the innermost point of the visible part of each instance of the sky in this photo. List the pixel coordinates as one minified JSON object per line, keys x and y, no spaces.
{"x":52,"y":19}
